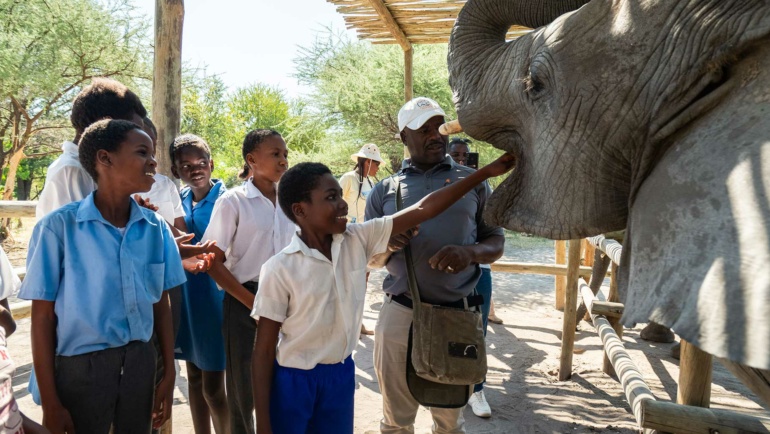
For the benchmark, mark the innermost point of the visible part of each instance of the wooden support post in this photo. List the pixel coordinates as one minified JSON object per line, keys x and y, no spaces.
{"x":570,"y":309}
{"x":408,"y":77}
{"x":560,"y":282}
{"x":694,"y":376}
{"x":408,"y":74}
{"x":614,"y":322}
{"x":588,"y":253}
{"x":167,"y":88}
{"x":167,"y":77}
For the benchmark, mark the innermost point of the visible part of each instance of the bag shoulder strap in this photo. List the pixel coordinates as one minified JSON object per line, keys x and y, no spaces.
{"x":411,"y":277}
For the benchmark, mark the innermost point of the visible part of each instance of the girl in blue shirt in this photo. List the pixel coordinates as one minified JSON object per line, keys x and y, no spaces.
{"x":200,"y":340}
{"x":97,"y":275}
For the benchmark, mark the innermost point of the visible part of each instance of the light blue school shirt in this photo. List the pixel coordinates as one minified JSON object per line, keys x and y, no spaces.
{"x":103,"y":283}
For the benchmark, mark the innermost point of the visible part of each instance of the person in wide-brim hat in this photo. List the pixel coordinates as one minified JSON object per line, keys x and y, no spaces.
{"x":357,"y":184}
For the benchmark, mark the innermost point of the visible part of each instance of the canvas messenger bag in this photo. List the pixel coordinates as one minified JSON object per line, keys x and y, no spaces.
{"x":447,"y":353}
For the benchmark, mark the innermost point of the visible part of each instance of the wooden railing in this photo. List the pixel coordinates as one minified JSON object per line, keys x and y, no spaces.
{"x":651,"y":415}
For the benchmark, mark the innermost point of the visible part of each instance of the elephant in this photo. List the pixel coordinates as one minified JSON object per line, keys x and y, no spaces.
{"x":650,"y":115}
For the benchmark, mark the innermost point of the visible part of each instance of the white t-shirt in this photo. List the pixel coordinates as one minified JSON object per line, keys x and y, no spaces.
{"x":66,"y":181}
{"x":9,"y":280}
{"x":320,"y":303}
{"x":165,"y":195}
{"x":249,"y":229}
{"x":356,"y":203}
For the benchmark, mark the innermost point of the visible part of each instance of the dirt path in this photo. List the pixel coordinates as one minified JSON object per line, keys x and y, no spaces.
{"x":523,"y":356}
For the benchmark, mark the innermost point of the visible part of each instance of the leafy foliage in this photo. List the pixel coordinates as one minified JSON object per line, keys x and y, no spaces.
{"x":49,"y":50}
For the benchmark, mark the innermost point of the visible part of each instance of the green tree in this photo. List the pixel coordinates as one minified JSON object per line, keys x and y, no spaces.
{"x":359,"y":87}
{"x":223,"y":119}
{"x":50,"y":49}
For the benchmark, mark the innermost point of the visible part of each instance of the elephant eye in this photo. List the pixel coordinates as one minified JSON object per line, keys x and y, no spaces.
{"x":534,"y":83}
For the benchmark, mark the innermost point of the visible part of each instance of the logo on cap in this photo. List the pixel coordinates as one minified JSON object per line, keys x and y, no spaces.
{"x":424,"y":103}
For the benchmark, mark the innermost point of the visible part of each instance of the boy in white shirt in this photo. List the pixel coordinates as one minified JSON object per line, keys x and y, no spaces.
{"x":313,"y":293}
{"x":66,"y":181}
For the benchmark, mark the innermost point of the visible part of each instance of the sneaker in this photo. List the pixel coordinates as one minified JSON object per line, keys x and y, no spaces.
{"x":479,"y":404}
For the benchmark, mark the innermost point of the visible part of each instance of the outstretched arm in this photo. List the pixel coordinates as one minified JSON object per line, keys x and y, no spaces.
{"x":437,"y":202}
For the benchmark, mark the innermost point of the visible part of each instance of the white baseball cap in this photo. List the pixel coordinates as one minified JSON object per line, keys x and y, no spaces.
{"x":369,"y":151}
{"x":416,"y":112}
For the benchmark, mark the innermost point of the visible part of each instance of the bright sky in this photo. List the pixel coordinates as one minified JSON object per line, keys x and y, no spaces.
{"x":249,"y":41}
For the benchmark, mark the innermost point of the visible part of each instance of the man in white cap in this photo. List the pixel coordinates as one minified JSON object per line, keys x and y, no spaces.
{"x":446,"y":255}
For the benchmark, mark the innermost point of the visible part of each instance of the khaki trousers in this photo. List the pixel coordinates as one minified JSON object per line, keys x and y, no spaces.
{"x":399,"y":408}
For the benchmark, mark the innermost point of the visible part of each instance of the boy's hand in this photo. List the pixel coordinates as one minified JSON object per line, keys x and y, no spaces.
{"x":451,"y":259}
{"x":164,"y":394}
{"x":145,"y":203}
{"x":500,"y":166}
{"x":399,"y":241}
{"x":58,"y":420}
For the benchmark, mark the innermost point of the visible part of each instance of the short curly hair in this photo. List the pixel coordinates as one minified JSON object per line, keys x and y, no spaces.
{"x":187,"y":141}
{"x":105,"y":134}
{"x":104,"y":98}
{"x":297,"y":184}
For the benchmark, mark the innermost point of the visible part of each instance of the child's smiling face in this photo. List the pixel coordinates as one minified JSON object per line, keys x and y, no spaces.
{"x":269,"y":160}
{"x":193,"y":166}
{"x":132,"y":164}
{"x":327,"y":211}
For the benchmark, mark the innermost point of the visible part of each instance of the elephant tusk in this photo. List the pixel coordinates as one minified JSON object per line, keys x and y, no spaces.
{"x":451,"y":127}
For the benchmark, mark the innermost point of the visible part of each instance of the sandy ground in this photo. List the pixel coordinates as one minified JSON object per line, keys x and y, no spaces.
{"x":523,"y":356}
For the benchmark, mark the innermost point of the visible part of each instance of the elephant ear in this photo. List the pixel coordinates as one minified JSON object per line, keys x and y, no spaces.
{"x":697,"y":250}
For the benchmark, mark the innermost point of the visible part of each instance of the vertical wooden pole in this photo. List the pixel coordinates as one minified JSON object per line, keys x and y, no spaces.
{"x":694,"y":376}
{"x":570,"y":310}
{"x":408,"y":83}
{"x":588,"y":254}
{"x":560,"y":282}
{"x":408,"y":74}
{"x":614,"y":322}
{"x":167,"y":77}
{"x":167,"y":88}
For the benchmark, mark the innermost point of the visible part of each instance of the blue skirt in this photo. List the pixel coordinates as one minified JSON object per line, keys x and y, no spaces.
{"x":200,"y":338}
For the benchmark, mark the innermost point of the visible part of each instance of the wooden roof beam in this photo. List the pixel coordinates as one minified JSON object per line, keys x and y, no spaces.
{"x":391,"y":24}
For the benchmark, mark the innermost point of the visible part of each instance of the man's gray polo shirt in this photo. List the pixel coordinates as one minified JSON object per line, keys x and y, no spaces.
{"x":461,"y":225}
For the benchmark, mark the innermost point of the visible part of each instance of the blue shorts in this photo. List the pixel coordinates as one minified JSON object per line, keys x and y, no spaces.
{"x":317,"y":401}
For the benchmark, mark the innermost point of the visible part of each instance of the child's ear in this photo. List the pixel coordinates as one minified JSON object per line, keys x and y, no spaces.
{"x":103,"y":157}
{"x":174,"y":172}
{"x":250,"y":160}
{"x":211,"y":164}
{"x":298,"y":210}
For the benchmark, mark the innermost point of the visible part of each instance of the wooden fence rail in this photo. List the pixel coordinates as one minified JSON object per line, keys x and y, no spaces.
{"x":17,"y":208}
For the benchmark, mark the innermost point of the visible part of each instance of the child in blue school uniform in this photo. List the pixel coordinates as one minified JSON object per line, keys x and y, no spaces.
{"x":97,"y":274}
{"x":199,"y":340}
{"x":313,"y":293}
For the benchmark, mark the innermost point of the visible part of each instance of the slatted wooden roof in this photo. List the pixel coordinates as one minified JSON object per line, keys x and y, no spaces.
{"x":404,"y":22}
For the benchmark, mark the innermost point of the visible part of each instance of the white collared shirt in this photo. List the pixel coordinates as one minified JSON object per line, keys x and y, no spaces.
{"x":320,"y":303}
{"x":165,"y":195}
{"x":249,"y":229}
{"x":65,"y":182}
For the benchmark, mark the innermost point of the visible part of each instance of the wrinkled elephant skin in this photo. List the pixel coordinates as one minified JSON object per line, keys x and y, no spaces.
{"x":650,"y":115}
